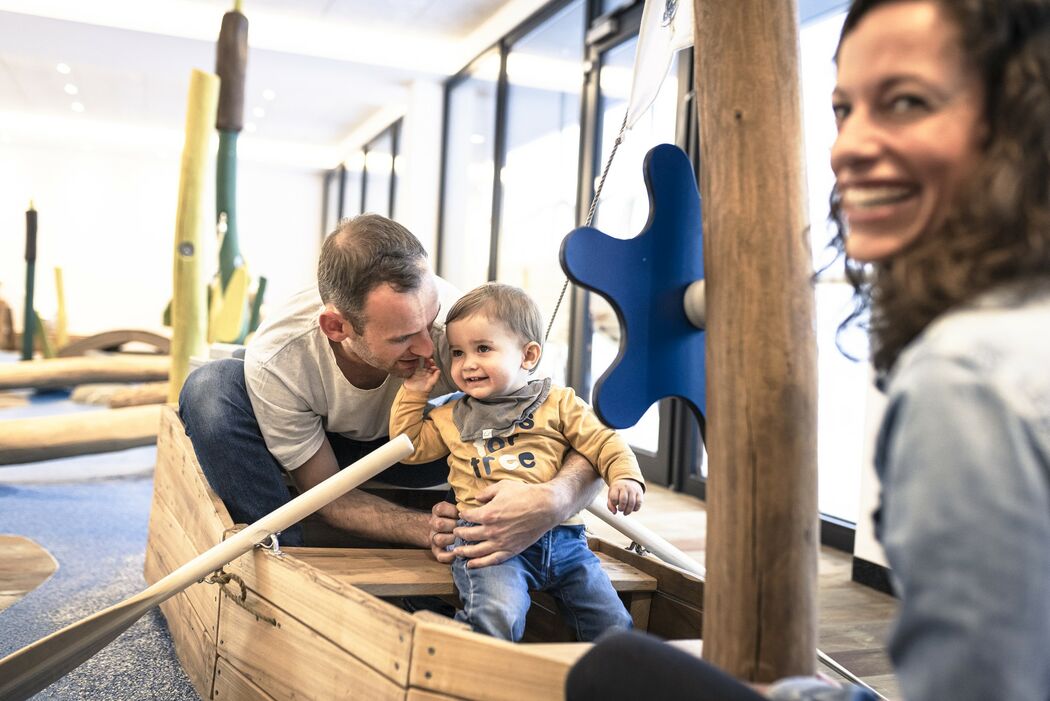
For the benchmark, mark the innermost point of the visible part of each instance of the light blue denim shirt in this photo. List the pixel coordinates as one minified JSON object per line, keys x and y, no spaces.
{"x":964,"y":460}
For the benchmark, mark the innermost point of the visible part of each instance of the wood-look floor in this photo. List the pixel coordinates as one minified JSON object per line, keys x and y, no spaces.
{"x":854,"y":619}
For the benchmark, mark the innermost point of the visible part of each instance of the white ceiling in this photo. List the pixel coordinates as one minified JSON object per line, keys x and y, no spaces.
{"x":333,"y":65}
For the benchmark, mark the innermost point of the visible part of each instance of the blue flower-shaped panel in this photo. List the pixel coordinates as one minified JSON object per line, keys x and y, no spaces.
{"x":644,"y":279}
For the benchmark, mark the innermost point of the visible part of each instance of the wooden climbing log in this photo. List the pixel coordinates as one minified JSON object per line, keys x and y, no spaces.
{"x":66,"y":372}
{"x":760,"y":594}
{"x":189,"y":313}
{"x":66,"y":435}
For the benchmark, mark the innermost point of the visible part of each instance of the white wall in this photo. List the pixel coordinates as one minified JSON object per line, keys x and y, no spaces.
{"x":865,"y":545}
{"x":107,"y":217}
{"x":419,"y":164}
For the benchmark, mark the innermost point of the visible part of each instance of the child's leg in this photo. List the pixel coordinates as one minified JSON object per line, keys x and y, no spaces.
{"x":588,"y":601}
{"x":496,"y":598}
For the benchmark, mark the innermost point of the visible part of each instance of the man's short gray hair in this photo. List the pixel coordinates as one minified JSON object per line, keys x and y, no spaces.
{"x":363,"y":253}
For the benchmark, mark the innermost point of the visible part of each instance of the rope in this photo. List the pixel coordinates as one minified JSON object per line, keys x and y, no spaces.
{"x":223,"y":578}
{"x":590,"y":218}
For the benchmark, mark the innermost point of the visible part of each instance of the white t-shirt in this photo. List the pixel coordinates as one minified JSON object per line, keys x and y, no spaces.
{"x":298,"y":392}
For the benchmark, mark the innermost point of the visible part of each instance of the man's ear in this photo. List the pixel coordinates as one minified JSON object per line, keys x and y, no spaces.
{"x":531,"y":356}
{"x":333,"y":325}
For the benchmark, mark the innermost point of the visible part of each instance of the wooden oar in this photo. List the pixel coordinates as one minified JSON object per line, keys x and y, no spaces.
{"x":33,"y":668}
{"x":670,"y":554}
{"x":646,"y":538}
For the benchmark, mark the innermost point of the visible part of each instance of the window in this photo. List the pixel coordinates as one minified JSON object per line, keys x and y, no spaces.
{"x":378,"y":175}
{"x":842,"y":383}
{"x":470,"y":128}
{"x":624,"y":205}
{"x":538,"y":179}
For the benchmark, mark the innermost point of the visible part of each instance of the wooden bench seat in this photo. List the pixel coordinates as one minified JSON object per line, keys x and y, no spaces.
{"x":408,"y":572}
{"x":396,"y":572}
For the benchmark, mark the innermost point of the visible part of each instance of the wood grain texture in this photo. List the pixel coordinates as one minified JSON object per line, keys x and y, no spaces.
{"x":457,"y":663}
{"x":274,"y":654}
{"x":231,"y":684}
{"x":51,"y":373}
{"x":410,"y":572}
{"x":376,"y":633}
{"x":65,"y":435}
{"x":760,"y":594}
{"x":24,"y":566}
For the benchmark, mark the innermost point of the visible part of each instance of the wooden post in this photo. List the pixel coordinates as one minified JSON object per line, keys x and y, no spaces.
{"x":760,"y":596}
{"x":189,"y":306}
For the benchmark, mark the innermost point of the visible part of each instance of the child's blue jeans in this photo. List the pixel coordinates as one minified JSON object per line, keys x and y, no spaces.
{"x":496,"y":598}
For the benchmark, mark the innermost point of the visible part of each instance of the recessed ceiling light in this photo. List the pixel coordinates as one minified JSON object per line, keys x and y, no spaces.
{"x":71,"y":89}
{"x":258,"y":113}
{"x":250,"y":127}
{"x":62,"y":68}
{"x":269,"y":94}
{"x":77,"y":107}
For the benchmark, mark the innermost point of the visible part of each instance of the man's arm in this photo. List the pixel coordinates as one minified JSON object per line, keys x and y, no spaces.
{"x":515,"y":515}
{"x":361,"y":513}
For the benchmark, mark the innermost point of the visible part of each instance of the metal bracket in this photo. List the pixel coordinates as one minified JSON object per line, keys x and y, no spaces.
{"x":636,"y":547}
{"x":271,"y":543}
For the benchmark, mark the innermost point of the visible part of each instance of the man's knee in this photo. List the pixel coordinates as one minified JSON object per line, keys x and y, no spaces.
{"x":204,"y":401}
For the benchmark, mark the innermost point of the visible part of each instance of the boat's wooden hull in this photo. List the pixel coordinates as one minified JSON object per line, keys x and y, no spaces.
{"x":314,"y":623}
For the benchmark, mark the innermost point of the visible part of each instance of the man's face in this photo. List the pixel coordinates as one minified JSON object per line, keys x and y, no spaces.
{"x":396,"y":328}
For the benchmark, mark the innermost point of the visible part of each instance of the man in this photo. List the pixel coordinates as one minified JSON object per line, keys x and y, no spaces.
{"x":314,"y":393}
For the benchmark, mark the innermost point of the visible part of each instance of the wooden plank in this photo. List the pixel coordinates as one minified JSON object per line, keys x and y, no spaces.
{"x":171,"y":548}
{"x":66,"y":435}
{"x":457,"y":663}
{"x":423,"y":695}
{"x":672,"y":618}
{"x":231,"y":684}
{"x":412,"y":572}
{"x":669,"y":580}
{"x":186,"y":490}
{"x":194,"y":643}
{"x":53,"y":373}
{"x":375,"y":632}
{"x":762,"y":526}
{"x":639,"y":605}
{"x":24,"y":566}
{"x":292,"y":661}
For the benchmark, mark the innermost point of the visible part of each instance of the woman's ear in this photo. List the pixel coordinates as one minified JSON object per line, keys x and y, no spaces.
{"x":333,"y":325}
{"x":531,"y":356}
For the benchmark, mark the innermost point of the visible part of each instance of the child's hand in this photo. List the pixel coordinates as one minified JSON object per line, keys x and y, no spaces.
{"x":625,"y":495}
{"x":424,"y":378}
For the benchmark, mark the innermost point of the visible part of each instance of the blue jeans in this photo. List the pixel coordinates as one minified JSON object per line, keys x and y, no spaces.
{"x":221,"y":424}
{"x":496,"y":598}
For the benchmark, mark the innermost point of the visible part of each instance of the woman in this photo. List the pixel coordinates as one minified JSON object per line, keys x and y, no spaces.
{"x":942,"y":166}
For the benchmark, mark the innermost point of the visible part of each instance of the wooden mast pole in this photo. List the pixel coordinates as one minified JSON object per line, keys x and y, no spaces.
{"x":760,"y":594}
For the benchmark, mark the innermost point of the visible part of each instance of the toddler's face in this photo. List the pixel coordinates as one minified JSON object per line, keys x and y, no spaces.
{"x":488,"y":359}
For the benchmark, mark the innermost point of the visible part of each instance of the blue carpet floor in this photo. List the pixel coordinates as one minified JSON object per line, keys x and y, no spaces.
{"x":95,"y":528}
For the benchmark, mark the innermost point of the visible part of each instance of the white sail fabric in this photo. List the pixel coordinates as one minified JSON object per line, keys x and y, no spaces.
{"x":667,"y":27}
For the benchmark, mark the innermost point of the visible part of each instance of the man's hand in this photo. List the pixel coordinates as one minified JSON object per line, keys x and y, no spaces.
{"x":512,"y":517}
{"x":442,"y":520}
{"x":625,"y":495}
{"x":424,"y":378}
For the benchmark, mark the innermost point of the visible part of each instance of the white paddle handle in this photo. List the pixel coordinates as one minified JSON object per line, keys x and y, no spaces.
{"x":646,"y":538}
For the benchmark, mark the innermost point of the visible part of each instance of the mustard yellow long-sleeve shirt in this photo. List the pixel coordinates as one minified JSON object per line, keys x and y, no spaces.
{"x":533,"y":454}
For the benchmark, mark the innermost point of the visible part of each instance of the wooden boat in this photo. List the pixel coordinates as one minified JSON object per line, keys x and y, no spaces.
{"x":321,"y":623}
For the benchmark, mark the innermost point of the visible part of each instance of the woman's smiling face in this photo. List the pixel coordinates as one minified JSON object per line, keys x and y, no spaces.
{"x":909,"y":110}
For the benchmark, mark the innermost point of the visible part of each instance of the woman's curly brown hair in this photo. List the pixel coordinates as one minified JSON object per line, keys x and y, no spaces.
{"x":999,"y":227}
